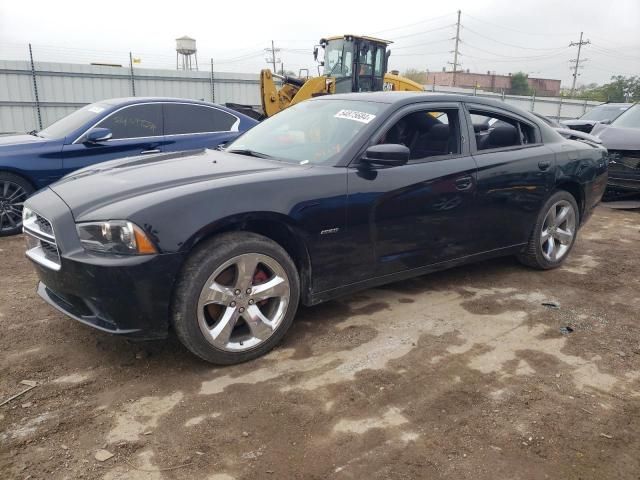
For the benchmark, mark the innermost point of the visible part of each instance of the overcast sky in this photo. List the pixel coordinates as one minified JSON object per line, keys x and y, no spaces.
{"x":500,"y":35}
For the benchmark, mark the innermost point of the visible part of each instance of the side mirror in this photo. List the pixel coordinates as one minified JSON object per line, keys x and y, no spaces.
{"x":97,"y":135}
{"x":386,"y":155}
{"x":315,"y":54}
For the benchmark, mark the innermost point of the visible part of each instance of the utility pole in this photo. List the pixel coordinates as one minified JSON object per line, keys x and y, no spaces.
{"x":456,"y":52}
{"x":577,"y":60}
{"x":273,"y":55}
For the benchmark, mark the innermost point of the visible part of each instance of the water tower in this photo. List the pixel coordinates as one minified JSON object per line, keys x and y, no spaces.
{"x":185,"y":50}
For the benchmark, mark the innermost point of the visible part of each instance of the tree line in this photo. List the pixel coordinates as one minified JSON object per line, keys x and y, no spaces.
{"x":618,"y":89}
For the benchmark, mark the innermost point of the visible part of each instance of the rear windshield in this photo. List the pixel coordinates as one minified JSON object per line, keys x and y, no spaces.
{"x":69,"y":124}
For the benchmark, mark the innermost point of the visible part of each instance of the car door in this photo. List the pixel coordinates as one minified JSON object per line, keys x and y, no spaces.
{"x":515,"y":175}
{"x":416,"y":214}
{"x":190,"y":126}
{"x":135,"y":130}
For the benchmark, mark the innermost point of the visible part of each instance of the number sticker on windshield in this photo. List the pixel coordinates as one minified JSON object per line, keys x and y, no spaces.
{"x":361,"y":117}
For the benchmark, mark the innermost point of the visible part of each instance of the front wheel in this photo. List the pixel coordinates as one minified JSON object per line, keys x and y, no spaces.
{"x":554,"y":233}
{"x":236,"y":298}
{"x":14,"y":190}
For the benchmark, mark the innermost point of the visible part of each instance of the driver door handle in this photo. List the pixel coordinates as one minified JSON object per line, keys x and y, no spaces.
{"x":144,"y":152}
{"x":464,"y":183}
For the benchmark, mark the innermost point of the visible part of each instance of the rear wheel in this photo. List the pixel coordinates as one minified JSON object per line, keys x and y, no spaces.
{"x":14,"y":190}
{"x":236,"y":298}
{"x":554,"y":234}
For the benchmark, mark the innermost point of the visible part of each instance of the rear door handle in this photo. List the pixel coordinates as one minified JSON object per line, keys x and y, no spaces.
{"x":144,"y":152}
{"x":544,"y":165}
{"x":464,"y":183}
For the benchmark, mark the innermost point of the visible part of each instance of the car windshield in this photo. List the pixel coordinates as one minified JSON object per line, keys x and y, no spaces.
{"x":314,"y":131}
{"x":338,"y":58}
{"x":629,"y":119}
{"x":69,"y":124}
{"x":604,"y":112}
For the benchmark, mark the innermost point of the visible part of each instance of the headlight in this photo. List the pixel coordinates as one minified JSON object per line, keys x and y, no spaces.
{"x":115,"y":236}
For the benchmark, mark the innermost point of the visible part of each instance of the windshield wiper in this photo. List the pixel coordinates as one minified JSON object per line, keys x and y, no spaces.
{"x":34,"y":133}
{"x":249,"y":153}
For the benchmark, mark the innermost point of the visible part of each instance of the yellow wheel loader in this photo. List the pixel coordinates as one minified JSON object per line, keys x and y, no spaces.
{"x":351,"y":64}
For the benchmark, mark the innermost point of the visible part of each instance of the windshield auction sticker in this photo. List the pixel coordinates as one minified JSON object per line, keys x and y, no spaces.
{"x":361,"y":117}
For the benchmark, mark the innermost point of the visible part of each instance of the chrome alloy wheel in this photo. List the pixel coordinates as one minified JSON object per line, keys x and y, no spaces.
{"x":558,"y":230}
{"x":12,"y":197}
{"x":243,"y":302}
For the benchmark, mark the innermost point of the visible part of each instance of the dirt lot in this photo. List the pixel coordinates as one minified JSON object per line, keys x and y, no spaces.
{"x":461,"y":374}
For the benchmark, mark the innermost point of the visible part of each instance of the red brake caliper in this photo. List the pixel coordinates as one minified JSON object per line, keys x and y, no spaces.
{"x":260,"y":276}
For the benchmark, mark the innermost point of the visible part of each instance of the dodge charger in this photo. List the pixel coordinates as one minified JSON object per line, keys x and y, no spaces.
{"x":333,"y":195}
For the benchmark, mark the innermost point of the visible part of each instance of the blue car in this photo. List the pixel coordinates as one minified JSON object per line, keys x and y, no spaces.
{"x":102,"y":131}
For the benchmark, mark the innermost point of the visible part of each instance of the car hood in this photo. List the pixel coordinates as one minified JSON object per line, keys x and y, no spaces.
{"x":615,"y":138}
{"x":91,"y":188}
{"x":20,"y":139}
{"x":579,"y":122}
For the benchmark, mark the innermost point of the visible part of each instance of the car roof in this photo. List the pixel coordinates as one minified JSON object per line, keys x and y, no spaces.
{"x":124,"y":101}
{"x":406,"y":98}
{"x":129,"y":100}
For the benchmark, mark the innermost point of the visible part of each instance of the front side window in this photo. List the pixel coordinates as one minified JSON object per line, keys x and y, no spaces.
{"x":499,"y":131}
{"x":629,"y":119}
{"x":135,"y":122}
{"x":314,"y":131}
{"x":427,"y":133}
{"x":180,"y":119}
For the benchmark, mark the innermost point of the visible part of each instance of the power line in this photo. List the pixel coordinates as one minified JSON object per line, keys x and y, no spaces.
{"x":430,"y":20}
{"x":517,"y":57}
{"x":425,"y":32}
{"x":467,"y":29}
{"x":518,"y":30}
{"x":422,"y":43}
{"x":576,"y":60}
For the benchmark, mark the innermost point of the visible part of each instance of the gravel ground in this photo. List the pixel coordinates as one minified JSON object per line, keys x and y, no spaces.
{"x":459,"y":374}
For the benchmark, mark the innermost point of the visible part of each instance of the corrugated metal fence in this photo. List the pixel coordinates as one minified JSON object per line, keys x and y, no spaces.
{"x":33,"y":98}
{"x":63,"y":87}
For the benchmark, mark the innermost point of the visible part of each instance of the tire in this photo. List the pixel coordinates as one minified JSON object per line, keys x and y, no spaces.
{"x":220,"y":300}
{"x":548,"y":233}
{"x":14,"y":190}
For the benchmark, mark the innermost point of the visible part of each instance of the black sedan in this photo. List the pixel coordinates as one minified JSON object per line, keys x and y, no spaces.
{"x":330,"y":196}
{"x":622,"y":139}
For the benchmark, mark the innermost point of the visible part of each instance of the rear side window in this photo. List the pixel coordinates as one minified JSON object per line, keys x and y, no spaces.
{"x":135,"y":122}
{"x":500,"y":131}
{"x":181,"y":119}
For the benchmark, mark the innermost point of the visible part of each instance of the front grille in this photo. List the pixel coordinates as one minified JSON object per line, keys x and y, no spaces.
{"x":44,"y":225}
{"x":41,"y":242}
{"x":50,"y":252}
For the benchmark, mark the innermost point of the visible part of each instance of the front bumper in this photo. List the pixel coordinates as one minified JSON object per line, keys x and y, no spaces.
{"x":624,"y":170}
{"x":125,"y":295}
